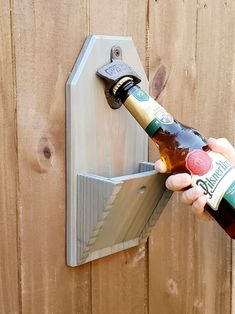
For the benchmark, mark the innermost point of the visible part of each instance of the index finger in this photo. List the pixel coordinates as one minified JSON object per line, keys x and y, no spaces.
{"x":178,"y":181}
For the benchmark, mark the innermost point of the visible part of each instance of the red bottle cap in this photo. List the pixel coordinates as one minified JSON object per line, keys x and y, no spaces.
{"x":198,"y":162}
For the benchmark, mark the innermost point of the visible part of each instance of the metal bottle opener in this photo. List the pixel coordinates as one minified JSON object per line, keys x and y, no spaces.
{"x":113,"y":72}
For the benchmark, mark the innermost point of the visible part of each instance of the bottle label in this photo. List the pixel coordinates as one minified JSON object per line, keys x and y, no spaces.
{"x":215,"y":174}
{"x":147,"y":111}
{"x":230,"y":194}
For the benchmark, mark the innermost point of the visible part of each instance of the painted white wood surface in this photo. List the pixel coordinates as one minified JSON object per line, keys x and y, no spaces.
{"x":118,"y":213}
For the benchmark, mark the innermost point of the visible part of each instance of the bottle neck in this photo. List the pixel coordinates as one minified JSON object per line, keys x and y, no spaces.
{"x":121,"y":88}
{"x":149,"y":114}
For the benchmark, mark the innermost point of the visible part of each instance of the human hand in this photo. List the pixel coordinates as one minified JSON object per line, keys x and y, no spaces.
{"x":194,"y":196}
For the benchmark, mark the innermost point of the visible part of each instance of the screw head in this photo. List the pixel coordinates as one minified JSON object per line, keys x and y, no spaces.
{"x":116,"y":53}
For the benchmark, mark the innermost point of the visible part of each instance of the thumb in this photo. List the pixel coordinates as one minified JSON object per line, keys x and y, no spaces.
{"x":223,"y":146}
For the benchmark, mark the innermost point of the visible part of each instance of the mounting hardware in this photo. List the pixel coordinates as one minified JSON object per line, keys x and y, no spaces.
{"x":113,"y":72}
{"x":116,"y":53}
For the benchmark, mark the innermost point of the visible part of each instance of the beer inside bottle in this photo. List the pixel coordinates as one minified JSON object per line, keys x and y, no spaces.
{"x":184,"y":149}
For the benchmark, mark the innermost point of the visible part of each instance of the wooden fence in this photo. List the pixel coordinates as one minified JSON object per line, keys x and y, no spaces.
{"x":187,"y":48}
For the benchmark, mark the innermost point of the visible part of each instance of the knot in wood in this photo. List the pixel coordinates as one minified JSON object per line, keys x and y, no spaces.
{"x":47,"y":152}
{"x":159,"y":81}
{"x":45,"y":155}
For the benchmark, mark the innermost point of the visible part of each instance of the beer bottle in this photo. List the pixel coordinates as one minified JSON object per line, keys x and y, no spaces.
{"x":184,"y":149}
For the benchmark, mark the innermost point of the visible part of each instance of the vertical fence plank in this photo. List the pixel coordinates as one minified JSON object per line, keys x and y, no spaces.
{"x":216,"y":94}
{"x":119,"y":281}
{"x":9,"y":299}
{"x":48,"y":36}
{"x":190,"y":260}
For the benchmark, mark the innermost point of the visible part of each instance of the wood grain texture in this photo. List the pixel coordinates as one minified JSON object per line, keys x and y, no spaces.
{"x":48,"y":37}
{"x":120,"y":278}
{"x":191,"y":75}
{"x":119,"y":281}
{"x":9,"y":286}
{"x":216,"y":74}
{"x":188,"y":49}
